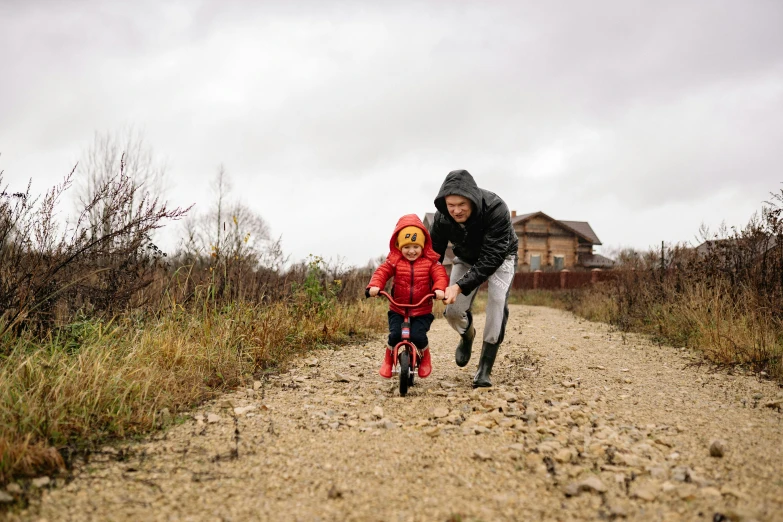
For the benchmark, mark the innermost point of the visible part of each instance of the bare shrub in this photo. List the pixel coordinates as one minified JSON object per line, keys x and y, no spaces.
{"x":47,"y":264}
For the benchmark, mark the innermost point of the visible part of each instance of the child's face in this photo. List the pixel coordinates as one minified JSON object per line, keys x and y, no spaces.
{"x":411,"y":252}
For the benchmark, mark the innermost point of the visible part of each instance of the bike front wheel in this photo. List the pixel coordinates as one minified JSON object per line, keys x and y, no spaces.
{"x":405,"y":372}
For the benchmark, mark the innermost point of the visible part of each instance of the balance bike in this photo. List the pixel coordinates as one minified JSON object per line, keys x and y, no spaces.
{"x":405,"y":354}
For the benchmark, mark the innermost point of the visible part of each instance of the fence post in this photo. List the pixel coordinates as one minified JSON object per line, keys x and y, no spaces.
{"x":564,"y":279}
{"x":594,"y":275}
{"x":536,"y":279}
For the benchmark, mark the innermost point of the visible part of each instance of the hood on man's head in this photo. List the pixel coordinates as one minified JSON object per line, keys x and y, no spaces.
{"x":458,"y":183}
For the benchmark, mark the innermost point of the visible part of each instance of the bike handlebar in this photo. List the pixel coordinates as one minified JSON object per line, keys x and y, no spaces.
{"x":395,"y":303}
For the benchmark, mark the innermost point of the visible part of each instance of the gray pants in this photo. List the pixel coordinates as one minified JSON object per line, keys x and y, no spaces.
{"x":497,"y":300}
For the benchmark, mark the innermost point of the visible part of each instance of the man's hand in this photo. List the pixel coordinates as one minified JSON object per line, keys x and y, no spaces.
{"x":451,"y":293}
{"x":374,"y":291}
{"x":439,"y":295}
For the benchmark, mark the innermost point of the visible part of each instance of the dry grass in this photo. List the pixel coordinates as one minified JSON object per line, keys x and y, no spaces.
{"x":121,"y":379}
{"x":725,"y":299}
{"x":729,"y":327}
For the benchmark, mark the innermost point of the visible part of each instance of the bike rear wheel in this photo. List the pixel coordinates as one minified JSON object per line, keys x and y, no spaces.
{"x":405,"y":372}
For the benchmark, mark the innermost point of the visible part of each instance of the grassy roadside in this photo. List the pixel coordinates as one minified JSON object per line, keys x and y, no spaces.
{"x":92,"y":381}
{"x":730,"y":328}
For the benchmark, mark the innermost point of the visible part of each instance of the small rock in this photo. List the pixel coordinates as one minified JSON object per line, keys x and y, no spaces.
{"x":5,"y":498}
{"x":41,"y":482}
{"x":710,"y":492}
{"x":313,"y":361}
{"x":739,"y":515}
{"x":377,"y":412}
{"x":571,"y":490}
{"x":563,"y":456}
{"x":439,"y":413}
{"x":644,"y":493}
{"x":334,"y":493}
{"x":681,"y":474}
{"x":14,"y":488}
{"x":717,"y":448}
{"x":725,"y":490}
{"x":592,"y":484}
{"x":686,"y":492}
{"x":244,"y":409}
{"x":340,"y":377}
{"x":257,"y":385}
{"x":618,"y":511}
{"x":387,"y":424}
{"x":482,"y":455}
{"x":668,"y":487}
{"x":432,"y":431}
{"x":659,"y":472}
{"x":213,"y":418}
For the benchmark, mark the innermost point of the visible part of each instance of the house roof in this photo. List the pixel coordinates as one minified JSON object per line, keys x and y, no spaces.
{"x":581,"y":228}
{"x":595,"y":261}
{"x":760,"y":244}
{"x":584,"y":229}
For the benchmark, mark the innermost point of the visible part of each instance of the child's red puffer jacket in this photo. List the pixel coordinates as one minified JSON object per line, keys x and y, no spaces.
{"x":412,"y":281}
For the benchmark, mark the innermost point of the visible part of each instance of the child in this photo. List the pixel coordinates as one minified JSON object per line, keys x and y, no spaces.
{"x":416,"y":271}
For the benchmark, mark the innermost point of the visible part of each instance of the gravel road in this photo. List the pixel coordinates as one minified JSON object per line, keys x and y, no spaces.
{"x":583,"y":423}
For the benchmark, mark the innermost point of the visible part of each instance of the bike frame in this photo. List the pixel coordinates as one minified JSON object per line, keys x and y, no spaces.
{"x":406,"y":331}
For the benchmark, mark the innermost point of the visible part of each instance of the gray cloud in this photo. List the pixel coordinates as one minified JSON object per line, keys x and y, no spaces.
{"x":644,"y":119}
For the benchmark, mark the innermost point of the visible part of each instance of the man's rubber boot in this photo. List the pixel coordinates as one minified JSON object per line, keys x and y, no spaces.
{"x":425,"y":365}
{"x":462,"y":355}
{"x":386,"y":367}
{"x":488,"y":353}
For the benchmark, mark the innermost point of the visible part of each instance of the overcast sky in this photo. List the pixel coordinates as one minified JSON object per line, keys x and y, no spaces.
{"x":333,"y":119}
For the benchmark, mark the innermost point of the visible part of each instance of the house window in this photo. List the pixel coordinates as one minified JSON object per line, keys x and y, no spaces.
{"x":559,"y":262}
{"x":535,"y":262}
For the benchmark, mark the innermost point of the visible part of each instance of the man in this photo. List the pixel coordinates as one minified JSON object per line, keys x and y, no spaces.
{"x":478,"y":224}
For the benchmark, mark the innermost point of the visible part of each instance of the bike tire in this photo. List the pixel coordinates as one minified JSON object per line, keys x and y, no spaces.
{"x":410,"y":378}
{"x":405,"y":371}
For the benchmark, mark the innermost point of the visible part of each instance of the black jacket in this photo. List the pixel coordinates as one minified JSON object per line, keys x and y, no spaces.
{"x":486,"y":238}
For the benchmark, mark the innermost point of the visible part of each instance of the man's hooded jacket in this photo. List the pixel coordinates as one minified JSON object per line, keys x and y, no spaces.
{"x":485,"y":240}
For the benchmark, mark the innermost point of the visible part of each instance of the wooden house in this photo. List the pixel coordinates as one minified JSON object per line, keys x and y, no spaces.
{"x":547,"y":244}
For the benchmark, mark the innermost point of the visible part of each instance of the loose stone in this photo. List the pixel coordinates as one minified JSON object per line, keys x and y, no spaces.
{"x":717,"y":448}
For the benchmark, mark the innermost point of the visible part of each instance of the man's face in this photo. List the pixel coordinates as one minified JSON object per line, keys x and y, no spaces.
{"x":411,"y":252}
{"x":459,"y":207}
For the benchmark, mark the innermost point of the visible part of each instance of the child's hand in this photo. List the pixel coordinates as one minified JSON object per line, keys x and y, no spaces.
{"x":439,"y":295}
{"x":374,"y":291}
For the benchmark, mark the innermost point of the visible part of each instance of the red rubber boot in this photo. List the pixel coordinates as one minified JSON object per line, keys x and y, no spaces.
{"x":386,"y":367}
{"x":425,"y":365}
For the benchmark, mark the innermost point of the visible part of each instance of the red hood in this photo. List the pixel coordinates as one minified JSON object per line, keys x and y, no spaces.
{"x":410,"y":220}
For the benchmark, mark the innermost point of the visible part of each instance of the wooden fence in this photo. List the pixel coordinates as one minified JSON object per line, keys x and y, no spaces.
{"x":562,"y":280}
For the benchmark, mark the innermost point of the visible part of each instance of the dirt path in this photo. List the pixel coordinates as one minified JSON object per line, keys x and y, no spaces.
{"x":582,"y":424}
